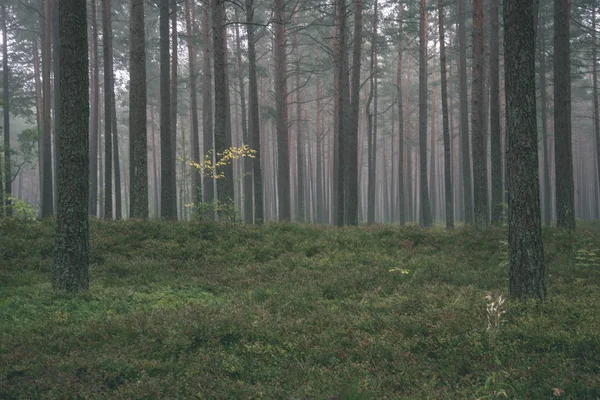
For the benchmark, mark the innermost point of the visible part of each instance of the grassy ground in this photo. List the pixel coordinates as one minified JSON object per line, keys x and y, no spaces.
{"x":289,"y":311}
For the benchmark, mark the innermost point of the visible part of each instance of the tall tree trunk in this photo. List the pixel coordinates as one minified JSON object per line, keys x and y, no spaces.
{"x":46,"y":155}
{"x":565,"y":192}
{"x":194,"y":132}
{"x":155,"y":165}
{"x":480,"y":186}
{"x":300,"y":152}
{"x":372,"y":125}
{"x":595,"y":103}
{"x":495,"y":131}
{"x":426,"y":219}
{"x":6,"y":107}
{"x":222,"y":136}
{"x":464,"y":115}
{"x":433,"y":195}
{"x":283,"y":171}
{"x":137,"y":114}
{"x":56,"y":98}
{"x":247,"y":163}
{"x":544,"y":106}
{"x":527,"y":273}
{"x":174,"y":67}
{"x":39,"y":107}
{"x":168,"y":194}
{"x":445,"y":128}
{"x":71,"y":246}
{"x":401,"y":150}
{"x":352,"y":162}
{"x":108,"y":109}
{"x":207,"y":104}
{"x":95,"y":111}
{"x":254,"y":121}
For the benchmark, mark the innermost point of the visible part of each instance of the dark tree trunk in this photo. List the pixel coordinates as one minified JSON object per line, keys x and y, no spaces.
{"x":168,"y":194}
{"x":446,"y":130}
{"x":563,"y":146}
{"x":544,"y":106}
{"x":70,"y":269}
{"x":137,"y":113}
{"x":495,"y":131}
{"x":95,"y":112}
{"x":174,"y":67}
{"x":254,"y":121}
{"x":480,"y":186}
{"x":372,"y":126}
{"x":108,"y":109}
{"x":424,"y":193}
{"x":283,"y":170}
{"x":527,"y":273}
{"x":401,"y":191}
{"x":595,"y":104}
{"x":464,"y":116}
{"x":46,"y":154}
{"x":222,"y":136}
{"x":6,"y":107}
{"x":207,"y":104}
{"x":352,"y":163}
{"x":194,"y":132}
{"x":247,"y":162}
{"x":56,"y":97}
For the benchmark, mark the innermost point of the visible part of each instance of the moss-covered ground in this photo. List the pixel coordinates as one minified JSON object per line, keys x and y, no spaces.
{"x":285,"y":311}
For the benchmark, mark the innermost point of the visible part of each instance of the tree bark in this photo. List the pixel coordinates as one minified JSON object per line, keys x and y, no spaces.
{"x":137,"y":113}
{"x":495,"y":131}
{"x":401,"y":150}
{"x":207,"y":104}
{"x":372,"y":126}
{"x":47,"y":208}
{"x":71,"y":246}
{"x":283,"y":170}
{"x":595,"y":103}
{"x":445,"y":125}
{"x":480,"y":186}
{"x":527,"y":271}
{"x":94,"y":119}
{"x":6,"y":107}
{"x":464,"y":116}
{"x":254,"y":121}
{"x":425,"y":219}
{"x":174,"y":68}
{"x":565,"y":191}
{"x":108,"y":109}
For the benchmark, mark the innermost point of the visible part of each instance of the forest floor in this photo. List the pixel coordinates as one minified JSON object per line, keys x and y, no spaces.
{"x":191,"y":310}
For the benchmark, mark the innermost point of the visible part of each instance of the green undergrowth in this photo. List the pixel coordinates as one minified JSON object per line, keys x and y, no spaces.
{"x":288,"y":311}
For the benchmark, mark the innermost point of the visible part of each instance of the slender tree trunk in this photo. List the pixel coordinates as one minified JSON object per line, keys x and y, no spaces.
{"x":480,"y":187}
{"x":46,"y":155}
{"x":207,"y":104}
{"x":168,"y":194}
{"x":595,"y":103}
{"x":174,"y":68}
{"x":222,"y":136}
{"x":56,"y":98}
{"x":94,"y":119}
{"x":39,"y":107}
{"x":426,"y":219}
{"x":433,"y":194}
{"x":137,"y":114}
{"x":108,"y":109}
{"x":6,"y":107}
{"x":544,"y":107}
{"x":155,"y":165}
{"x":446,"y":130}
{"x":283,"y":171}
{"x":254,"y":121}
{"x":401,"y":150}
{"x":372,"y":125}
{"x":527,"y":272}
{"x":464,"y":115}
{"x":565,"y":192}
{"x":71,"y":246}
{"x":495,"y":131}
{"x":300,"y":152}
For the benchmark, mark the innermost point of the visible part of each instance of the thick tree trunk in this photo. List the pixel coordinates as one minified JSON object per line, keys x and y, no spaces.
{"x":464,"y":116}
{"x":565,"y":191}
{"x":544,"y":106}
{"x":480,"y":186}
{"x":527,"y":273}
{"x":254,"y":121}
{"x":425,"y":219}
{"x":449,"y":204}
{"x":137,"y":114}
{"x":70,"y":269}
